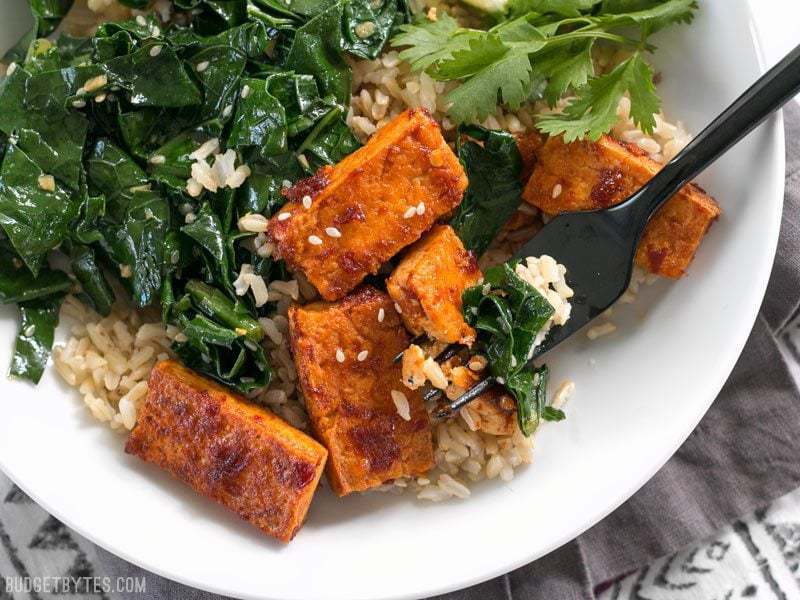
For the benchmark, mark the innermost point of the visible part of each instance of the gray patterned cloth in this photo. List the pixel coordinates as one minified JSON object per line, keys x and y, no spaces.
{"x":720,"y":521}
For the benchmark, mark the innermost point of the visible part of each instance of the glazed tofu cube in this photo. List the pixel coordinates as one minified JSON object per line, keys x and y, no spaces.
{"x":346,"y":221}
{"x":228,"y":449}
{"x":343,"y":352}
{"x":590,"y":175}
{"x":428,"y":283}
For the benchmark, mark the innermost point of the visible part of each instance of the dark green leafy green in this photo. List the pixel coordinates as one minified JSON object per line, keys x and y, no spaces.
{"x":160,"y":80}
{"x":38,"y":321}
{"x":117,"y":121}
{"x":135,"y":244}
{"x":34,"y":217}
{"x":494,"y":171}
{"x":260,"y":120}
{"x":48,"y":14}
{"x":509,"y":314}
{"x":33,"y":111}
{"x":17,"y":284}
{"x":97,"y":293}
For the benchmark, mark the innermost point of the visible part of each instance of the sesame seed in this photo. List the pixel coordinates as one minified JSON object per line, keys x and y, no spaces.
{"x":410,"y":212}
{"x":157,"y":159}
{"x":95,"y":83}
{"x":11,"y":68}
{"x":339,"y":355}
{"x":315,"y":240}
{"x":140,"y":20}
{"x":513,"y":361}
{"x":100,"y":98}
{"x":190,"y":217}
{"x":29,"y":330}
{"x":245,"y":91}
{"x":303,"y":161}
{"x":398,"y":309}
{"x":155,"y":51}
{"x":306,"y":202}
{"x":283,"y":216}
{"x":365,"y":29}
{"x":202,"y":66}
{"x":362,"y":356}
{"x":557,"y":189}
{"x":333,"y":232}
{"x":421,"y":208}
{"x":501,"y":381}
{"x":125,"y":271}
{"x":47,"y":183}
{"x":79,"y":104}
{"x":381,"y":315}
{"x":226,"y":112}
{"x":286,"y":183}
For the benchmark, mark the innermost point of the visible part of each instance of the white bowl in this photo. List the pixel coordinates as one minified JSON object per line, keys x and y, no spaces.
{"x":640,"y":392}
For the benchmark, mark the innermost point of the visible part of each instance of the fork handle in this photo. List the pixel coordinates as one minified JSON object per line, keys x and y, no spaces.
{"x":776,"y":87}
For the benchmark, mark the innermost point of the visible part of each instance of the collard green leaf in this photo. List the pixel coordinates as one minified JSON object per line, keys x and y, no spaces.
{"x":207,"y":231}
{"x":38,"y":321}
{"x":494,"y":171}
{"x":48,"y":14}
{"x":330,"y":140}
{"x":111,"y":171}
{"x":367,"y":25}
{"x":220,"y":80}
{"x":261,"y":193}
{"x":159,"y":80}
{"x":508,"y":316}
{"x":33,"y":109}
{"x":35,"y":219}
{"x":317,"y":51}
{"x":176,"y":167}
{"x":136,"y":244}
{"x":17,"y":284}
{"x":260,"y":121}
{"x":97,"y":292}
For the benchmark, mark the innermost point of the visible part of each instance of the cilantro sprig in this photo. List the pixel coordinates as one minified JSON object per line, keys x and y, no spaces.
{"x":543,"y":48}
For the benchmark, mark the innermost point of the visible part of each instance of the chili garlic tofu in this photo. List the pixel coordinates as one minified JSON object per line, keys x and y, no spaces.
{"x":228,"y":449}
{"x":346,"y":221}
{"x":428,"y":283}
{"x":375,"y":429}
{"x":589,"y":175}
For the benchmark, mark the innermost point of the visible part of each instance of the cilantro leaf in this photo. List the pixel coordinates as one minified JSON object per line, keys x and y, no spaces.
{"x":508,"y":81}
{"x":594,"y":111}
{"x":429,"y":42}
{"x":564,"y":8}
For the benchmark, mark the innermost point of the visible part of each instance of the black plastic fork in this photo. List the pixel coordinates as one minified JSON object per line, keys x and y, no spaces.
{"x":598,"y":246}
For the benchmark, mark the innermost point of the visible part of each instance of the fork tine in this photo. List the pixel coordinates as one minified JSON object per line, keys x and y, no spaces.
{"x":465,"y":398}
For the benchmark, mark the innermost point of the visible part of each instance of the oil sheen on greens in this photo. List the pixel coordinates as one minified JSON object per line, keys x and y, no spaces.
{"x":78,"y":188}
{"x":508,"y":314}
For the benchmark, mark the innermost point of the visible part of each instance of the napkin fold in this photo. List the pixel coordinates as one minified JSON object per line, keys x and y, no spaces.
{"x":741,"y":456}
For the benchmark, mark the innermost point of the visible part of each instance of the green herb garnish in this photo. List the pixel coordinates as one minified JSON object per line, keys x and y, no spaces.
{"x":543,"y":49}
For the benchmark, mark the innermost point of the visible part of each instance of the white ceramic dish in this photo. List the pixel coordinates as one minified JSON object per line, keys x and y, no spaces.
{"x":640,"y":392}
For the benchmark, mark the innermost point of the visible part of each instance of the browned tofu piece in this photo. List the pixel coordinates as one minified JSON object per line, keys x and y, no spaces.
{"x":589,"y":175}
{"x":228,"y":449}
{"x":494,"y":412}
{"x":360,"y":213}
{"x":428,"y":283}
{"x":343,"y":352}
